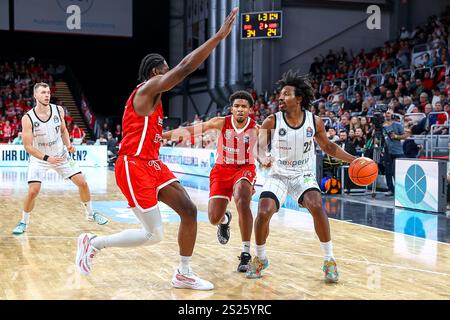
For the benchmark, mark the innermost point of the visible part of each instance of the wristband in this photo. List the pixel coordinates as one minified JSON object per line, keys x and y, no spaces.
{"x":45,"y":158}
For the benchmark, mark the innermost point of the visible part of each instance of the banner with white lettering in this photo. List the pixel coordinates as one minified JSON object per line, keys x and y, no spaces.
{"x":95,"y":17}
{"x":85,"y":156}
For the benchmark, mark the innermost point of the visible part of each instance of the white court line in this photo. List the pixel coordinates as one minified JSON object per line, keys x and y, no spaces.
{"x":270,"y":250}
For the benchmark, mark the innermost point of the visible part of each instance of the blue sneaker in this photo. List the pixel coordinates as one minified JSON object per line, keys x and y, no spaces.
{"x":101,"y":220}
{"x":331,"y":275}
{"x":255,"y":268}
{"x":20,"y":228}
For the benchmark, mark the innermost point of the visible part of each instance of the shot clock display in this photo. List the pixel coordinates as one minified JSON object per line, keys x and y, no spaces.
{"x":260,"y":25}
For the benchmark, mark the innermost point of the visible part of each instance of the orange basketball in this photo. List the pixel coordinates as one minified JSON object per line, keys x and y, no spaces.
{"x":363,"y":171}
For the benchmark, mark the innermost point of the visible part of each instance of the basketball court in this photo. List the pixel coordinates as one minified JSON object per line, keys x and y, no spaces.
{"x":382,"y":252}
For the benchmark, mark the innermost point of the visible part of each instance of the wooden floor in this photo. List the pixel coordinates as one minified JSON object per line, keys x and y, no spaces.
{"x":373,"y":263}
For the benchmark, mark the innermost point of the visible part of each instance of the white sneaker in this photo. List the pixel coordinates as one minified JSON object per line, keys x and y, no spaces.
{"x":85,"y":253}
{"x":190,"y":281}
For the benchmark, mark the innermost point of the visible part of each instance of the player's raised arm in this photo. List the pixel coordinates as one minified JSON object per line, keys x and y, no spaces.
{"x":327,"y":146}
{"x":186,"y":132}
{"x":264,"y":137}
{"x":147,"y":95}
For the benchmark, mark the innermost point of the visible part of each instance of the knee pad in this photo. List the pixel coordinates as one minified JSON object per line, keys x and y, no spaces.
{"x":155,"y":235}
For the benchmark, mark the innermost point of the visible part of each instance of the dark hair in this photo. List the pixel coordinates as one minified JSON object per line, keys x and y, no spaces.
{"x":241,"y":94}
{"x":150,"y":61}
{"x":302,"y":85}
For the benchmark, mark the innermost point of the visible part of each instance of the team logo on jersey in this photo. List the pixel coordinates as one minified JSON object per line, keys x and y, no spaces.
{"x":36,"y":124}
{"x":282,"y":132}
{"x":160,"y":121}
{"x":55,"y":119}
{"x":309,"y":132}
{"x":158,"y":138}
{"x":248,"y":174}
{"x":227,"y":134}
{"x":246,"y":139}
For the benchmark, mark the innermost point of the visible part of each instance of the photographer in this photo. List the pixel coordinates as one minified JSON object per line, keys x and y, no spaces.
{"x":393,"y":132}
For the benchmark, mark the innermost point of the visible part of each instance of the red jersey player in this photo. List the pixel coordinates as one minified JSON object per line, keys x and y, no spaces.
{"x":142,"y":177}
{"x":234,"y":173}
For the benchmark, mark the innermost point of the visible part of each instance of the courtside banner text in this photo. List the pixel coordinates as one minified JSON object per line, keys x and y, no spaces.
{"x":85,"y":156}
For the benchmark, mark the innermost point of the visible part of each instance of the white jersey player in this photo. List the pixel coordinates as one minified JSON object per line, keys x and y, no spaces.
{"x":46,"y":139}
{"x":291,"y":134}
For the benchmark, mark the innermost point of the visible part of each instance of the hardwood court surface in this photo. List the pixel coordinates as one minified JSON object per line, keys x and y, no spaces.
{"x":373,"y":263}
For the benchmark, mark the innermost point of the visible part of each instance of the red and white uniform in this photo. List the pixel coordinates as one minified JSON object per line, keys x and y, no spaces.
{"x":139,"y":172}
{"x":235,"y":159}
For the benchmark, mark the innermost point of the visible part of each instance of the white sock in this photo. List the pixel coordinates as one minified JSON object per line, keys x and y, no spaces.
{"x":327,"y":248}
{"x":88,"y":207}
{"x":246,"y":246}
{"x":261,"y":251}
{"x":25,"y":217}
{"x":185,"y":264}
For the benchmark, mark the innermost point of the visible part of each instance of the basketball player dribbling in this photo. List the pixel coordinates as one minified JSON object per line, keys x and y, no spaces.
{"x":46,"y":139}
{"x":234,"y":173}
{"x":143,"y":178}
{"x":291,"y":133}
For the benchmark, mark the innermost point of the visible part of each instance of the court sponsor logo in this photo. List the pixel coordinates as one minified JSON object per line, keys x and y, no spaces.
{"x":415,"y":184}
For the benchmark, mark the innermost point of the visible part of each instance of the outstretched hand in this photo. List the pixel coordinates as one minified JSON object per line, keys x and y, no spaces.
{"x":225,"y":30}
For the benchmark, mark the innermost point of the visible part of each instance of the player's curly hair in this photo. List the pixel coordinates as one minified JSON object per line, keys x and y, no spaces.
{"x":302,"y":85}
{"x":241,"y":94}
{"x":150,"y":61}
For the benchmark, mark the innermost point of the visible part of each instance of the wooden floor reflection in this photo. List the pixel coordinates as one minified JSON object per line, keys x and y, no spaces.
{"x":373,"y":263}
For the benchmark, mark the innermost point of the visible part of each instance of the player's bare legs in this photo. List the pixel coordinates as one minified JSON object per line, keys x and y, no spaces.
{"x":30,"y":199}
{"x":242,"y":194}
{"x":312,"y":201}
{"x":85,"y":196}
{"x":176,"y":197}
{"x":266,"y":209}
{"x":216,"y":210}
{"x":28,"y":206}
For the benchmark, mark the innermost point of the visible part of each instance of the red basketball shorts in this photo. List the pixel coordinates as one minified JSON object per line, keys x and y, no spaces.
{"x":222,"y":179}
{"x":140,"y":180}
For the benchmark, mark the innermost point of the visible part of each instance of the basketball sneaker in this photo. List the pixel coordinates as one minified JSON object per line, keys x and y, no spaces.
{"x":331,"y":274}
{"x":85,"y":253}
{"x":101,"y":220}
{"x":190,"y":281}
{"x":255,"y":267}
{"x":223,"y":230}
{"x":20,"y":228}
{"x":245,"y":258}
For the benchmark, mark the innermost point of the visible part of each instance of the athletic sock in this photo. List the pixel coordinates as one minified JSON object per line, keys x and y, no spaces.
{"x":25,"y":217}
{"x":185,"y":264}
{"x":246,"y":246}
{"x":327,"y":248}
{"x":261,"y":251}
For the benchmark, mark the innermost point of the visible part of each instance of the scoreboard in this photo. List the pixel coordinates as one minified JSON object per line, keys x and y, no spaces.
{"x":260,"y":25}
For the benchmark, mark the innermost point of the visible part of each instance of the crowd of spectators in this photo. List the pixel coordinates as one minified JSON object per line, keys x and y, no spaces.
{"x":17,"y":79}
{"x":350,"y":87}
